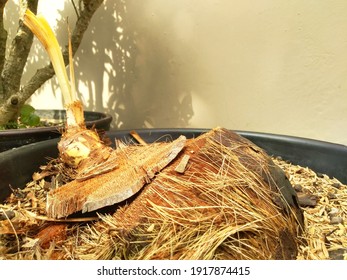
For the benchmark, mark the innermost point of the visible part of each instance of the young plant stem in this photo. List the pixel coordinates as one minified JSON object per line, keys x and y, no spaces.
{"x":77,"y":143}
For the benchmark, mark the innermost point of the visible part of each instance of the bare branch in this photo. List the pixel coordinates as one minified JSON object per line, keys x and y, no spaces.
{"x":3,"y":36}
{"x":82,"y":23}
{"x":75,"y":8}
{"x":40,"y":77}
{"x":18,"y":54}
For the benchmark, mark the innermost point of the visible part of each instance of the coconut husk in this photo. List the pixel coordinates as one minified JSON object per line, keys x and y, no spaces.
{"x":225,"y":205}
{"x":136,"y":166}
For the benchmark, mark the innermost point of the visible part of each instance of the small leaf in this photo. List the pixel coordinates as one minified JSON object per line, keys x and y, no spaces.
{"x":11,"y":125}
{"x":31,"y":120}
{"x":26,"y":110}
{"x":28,"y":116}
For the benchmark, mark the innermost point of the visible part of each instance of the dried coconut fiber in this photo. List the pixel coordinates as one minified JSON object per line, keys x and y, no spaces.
{"x":228,"y":204}
{"x":222,"y":197}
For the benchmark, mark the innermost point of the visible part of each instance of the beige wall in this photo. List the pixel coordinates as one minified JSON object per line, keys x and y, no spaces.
{"x":273,"y":66}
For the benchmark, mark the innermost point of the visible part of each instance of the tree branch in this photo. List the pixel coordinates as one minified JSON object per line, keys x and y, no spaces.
{"x":18,"y":54}
{"x":3,"y":37}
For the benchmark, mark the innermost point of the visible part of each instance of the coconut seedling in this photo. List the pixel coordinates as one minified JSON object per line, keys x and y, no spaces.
{"x":82,"y":149}
{"x":78,"y":145}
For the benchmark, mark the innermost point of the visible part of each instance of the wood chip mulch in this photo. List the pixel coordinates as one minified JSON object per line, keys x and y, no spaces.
{"x":324,"y":201}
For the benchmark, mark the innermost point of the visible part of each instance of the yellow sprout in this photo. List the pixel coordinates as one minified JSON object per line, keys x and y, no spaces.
{"x":40,"y":27}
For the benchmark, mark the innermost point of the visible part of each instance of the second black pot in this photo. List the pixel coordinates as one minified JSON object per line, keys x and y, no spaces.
{"x":13,"y":138}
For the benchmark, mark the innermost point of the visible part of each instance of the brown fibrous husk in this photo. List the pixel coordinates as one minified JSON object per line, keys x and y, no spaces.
{"x":217,"y":209}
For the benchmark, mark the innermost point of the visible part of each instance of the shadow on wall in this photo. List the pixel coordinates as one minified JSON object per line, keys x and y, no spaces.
{"x":131,"y":74}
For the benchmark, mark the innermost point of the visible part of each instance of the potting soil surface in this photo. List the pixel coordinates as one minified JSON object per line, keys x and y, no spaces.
{"x":324,"y":202}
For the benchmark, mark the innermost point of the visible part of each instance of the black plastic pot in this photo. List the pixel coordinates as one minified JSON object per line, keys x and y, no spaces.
{"x":18,"y":165}
{"x":13,"y":138}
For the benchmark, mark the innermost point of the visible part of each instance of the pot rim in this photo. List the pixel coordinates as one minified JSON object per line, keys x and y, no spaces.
{"x":104,"y":117}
